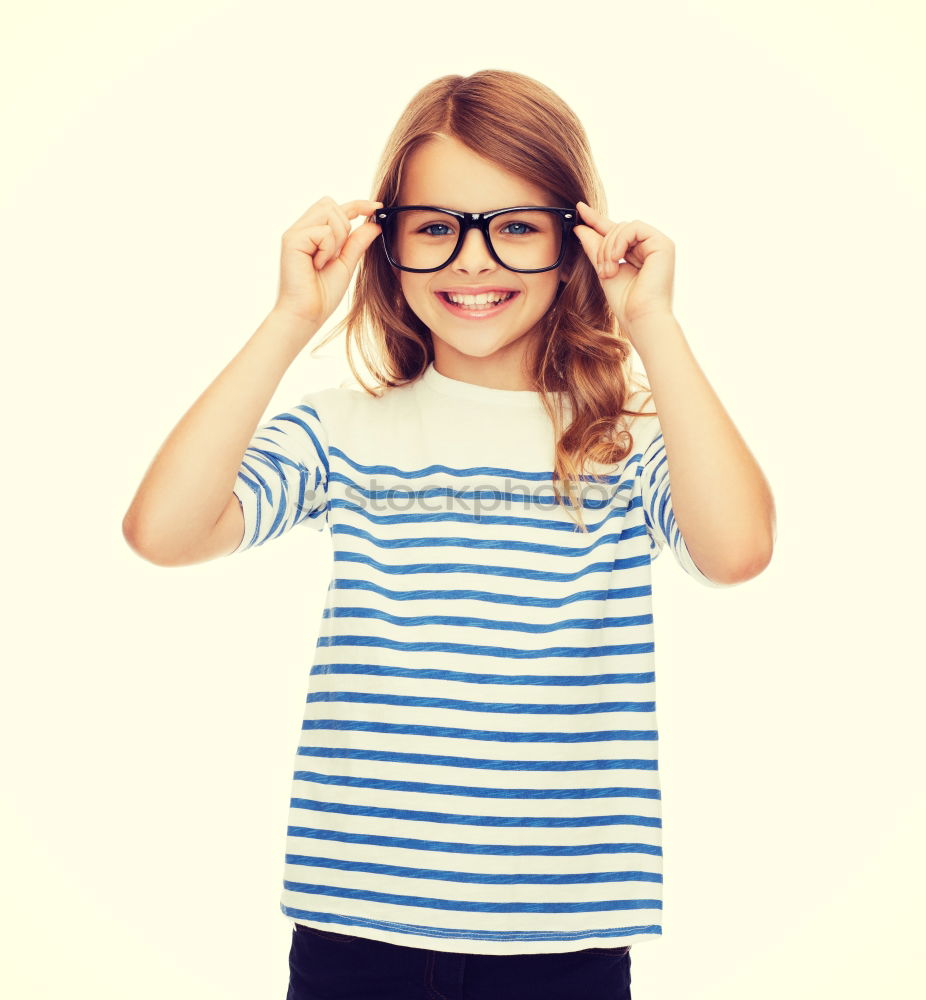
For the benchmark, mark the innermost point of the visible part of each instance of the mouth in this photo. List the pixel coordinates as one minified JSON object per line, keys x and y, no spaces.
{"x":478,"y":307}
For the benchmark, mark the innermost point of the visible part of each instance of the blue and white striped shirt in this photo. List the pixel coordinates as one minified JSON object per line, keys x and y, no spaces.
{"x":477,"y":768}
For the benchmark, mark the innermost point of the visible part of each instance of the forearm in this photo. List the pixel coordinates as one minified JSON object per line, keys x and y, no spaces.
{"x":722,"y":502}
{"x":191,"y":479}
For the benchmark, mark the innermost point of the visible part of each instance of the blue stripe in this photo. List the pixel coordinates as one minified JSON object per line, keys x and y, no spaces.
{"x":465,"y":819}
{"x":290,"y":416}
{"x":475,"y":906}
{"x":455,"y":568}
{"x":516,"y":937}
{"x":468,"y":677}
{"x":270,"y":474}
{"x":276,"y":462}
{"x":476,"y":791}
{"x":478,"y":878}
{"x":507,"y":626}
{"x":473,"y":470}
{"x":496,"y":544}
{"x":508,"y":708}
{"x":418,"y":516}
{"x":614,"y":593}
{"x":459,"y":847}
{"x":469,"y":649}
{"x":481,"y":763}
{"x":396,"y":493}
{"x":453,"y":732}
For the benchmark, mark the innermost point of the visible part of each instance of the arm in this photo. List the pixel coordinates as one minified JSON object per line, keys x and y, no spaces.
{"x":184,"y":511}
{"x":187,"y":509}
{"x":722,"y":501}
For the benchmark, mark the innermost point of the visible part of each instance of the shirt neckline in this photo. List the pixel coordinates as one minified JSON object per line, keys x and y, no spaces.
{"x":446,"y":386}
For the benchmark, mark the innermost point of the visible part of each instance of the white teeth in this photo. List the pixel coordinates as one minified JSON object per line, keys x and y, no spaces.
{"x":478,"y":300}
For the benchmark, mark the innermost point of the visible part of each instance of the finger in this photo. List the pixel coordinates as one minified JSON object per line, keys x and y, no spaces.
{"x":328,"y":249}
{"x":350,"y":210}
{"x":320,"y":236}
{"x":322,"y":244}
{"x":357,"y":244}
{"x":590,"y":240}
{"x":360,"y":206}
{"x":613,"y":249}
{"x":308,"y":239}
{"x":339,"y":218}
{"x":627,"y":243}
{"x":608,"y":230}
{"x":323,"y":240}
{"x":357,"y":209}
{"x":634,"y":237}
{"x":340,"y":224}
{"x":324,"y":227}
{"x":317,"y":213}
{"x":592,"y":217}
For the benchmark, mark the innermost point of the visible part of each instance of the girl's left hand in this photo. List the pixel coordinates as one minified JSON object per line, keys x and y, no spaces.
{"x":643,"y":284}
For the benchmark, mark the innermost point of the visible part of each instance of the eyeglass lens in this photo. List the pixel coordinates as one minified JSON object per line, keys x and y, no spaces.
{"x":527,"y":240}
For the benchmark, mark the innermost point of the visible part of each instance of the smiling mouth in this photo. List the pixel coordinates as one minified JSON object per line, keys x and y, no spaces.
{"x":478,"y":309}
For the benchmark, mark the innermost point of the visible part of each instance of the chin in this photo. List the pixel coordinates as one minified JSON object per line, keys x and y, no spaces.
{"x":473,"y":347}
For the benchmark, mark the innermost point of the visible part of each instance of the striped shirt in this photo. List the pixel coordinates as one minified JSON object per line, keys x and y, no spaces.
{"x":477,"y":768}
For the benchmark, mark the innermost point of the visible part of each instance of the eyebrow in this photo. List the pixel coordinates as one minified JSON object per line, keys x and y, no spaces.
{"x":463,"y":211}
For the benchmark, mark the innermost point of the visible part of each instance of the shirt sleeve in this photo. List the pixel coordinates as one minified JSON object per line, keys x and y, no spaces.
{"x":657,"y":507}
{"x":283,"y":478}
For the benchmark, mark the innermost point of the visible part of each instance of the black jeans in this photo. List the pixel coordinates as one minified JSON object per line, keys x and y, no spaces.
{"x":328,"y":965}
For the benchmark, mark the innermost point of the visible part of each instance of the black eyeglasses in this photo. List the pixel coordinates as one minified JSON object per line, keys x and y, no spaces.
{"x":538,"y":245}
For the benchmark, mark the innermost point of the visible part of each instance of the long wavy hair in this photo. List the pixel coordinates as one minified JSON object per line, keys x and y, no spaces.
{"x":580,"y":354}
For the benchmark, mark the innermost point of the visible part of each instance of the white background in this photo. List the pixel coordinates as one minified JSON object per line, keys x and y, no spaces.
{"x":154,"y":155}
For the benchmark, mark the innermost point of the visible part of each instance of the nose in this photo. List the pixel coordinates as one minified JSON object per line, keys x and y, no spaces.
{"x":474,"y":256}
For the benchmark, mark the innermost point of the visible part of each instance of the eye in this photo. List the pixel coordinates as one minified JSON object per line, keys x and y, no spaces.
{"x":523,"y":232}
{"x":440,"y":225}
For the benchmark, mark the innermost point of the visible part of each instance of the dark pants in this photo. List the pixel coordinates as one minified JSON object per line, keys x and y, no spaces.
{"x":328,"y":965}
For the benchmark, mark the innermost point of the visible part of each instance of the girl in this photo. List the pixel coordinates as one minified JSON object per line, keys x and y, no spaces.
{"x":476,"y":800}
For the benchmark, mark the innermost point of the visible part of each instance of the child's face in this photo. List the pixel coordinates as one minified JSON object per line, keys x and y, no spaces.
{"x":446,"y":174}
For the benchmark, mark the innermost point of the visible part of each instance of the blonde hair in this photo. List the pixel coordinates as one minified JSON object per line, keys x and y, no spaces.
{"x":525,"y":128}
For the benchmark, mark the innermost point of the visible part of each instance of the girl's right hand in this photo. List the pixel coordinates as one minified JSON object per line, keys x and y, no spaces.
{"x":319,"y":256}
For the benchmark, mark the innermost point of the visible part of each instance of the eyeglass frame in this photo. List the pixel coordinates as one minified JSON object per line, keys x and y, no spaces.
{"x":480,"y":221}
